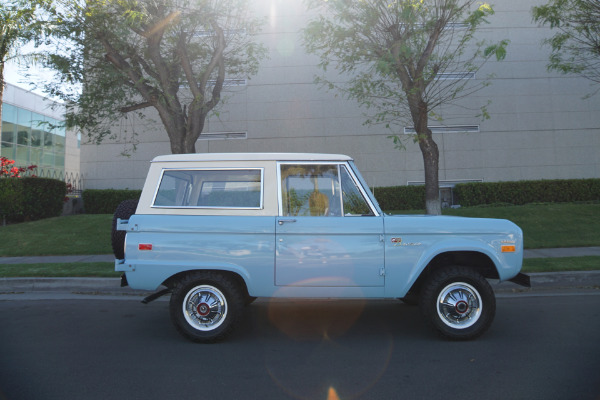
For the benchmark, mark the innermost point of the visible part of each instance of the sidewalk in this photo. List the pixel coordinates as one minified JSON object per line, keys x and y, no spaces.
{"x":540,"y":282}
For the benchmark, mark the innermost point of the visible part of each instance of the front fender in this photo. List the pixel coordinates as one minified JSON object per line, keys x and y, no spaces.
{"x":403,"y":275}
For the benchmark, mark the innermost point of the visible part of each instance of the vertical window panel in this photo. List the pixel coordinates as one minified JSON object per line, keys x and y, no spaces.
{"x":22,"y":155}
{"x":9,"y":130}
{"x":23,"y":127}
{"x":7,"y":150}
{"x":9,"y":113}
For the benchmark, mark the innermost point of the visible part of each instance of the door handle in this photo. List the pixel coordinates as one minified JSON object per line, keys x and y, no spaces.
{"x":283,"y":221}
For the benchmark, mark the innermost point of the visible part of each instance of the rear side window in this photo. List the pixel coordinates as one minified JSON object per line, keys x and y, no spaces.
{"x":210,"y":188}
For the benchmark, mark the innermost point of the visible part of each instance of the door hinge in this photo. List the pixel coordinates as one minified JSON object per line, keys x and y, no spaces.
{"x":381,"y":271}
{"x":381,"y":238}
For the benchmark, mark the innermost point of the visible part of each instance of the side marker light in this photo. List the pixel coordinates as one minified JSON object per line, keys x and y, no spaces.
{"x":145,"y":246}
{"x":509,"y":248}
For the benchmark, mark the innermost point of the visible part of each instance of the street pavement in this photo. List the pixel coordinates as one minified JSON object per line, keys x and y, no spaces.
{"x":36,"y":287}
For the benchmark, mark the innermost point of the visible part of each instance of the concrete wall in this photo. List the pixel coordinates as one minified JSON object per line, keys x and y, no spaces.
{"x":540,"y":126}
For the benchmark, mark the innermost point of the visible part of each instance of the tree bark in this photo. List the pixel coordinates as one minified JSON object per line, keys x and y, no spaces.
{"x":430,"y":152}
{"x":431,"y":160}
{"x":1,"y":91}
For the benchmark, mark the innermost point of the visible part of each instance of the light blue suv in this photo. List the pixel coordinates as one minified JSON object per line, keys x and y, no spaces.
{"x":219,"y":230}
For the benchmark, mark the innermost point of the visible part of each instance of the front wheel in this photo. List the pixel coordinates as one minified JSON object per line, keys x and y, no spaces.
{"x":205,"y":306}
{"x":458,"y":302}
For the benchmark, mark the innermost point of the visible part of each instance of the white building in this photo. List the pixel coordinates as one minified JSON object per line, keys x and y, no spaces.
{"x":32,"y":135}
{"x":540,"y":126}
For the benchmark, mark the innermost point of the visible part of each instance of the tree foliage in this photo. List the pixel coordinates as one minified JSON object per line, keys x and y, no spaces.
{"x":20,"y":23}
{"x":576,"y":41}
{"x":402,"y":60}
{"x":172,"y":55}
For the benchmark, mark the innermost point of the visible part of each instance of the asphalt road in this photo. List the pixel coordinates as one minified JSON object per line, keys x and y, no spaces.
{"x":539,"y":347}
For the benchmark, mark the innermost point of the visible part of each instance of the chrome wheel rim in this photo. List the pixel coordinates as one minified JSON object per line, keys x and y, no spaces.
{"x":459,"y":305}
{"x":205,"y":308}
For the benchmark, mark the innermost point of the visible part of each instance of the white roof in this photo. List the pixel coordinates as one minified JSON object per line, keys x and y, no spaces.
{"x":251,"y":157}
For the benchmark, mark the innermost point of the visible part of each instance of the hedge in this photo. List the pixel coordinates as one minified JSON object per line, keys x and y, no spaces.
{"x":400,"y":197}
{"x":30,"y":199}
{"x":524,"y":192}
{"x":480,"y":193}
{"x":105,"y":201}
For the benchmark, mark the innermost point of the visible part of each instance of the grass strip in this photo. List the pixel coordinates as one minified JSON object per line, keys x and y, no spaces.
{"x":61,"y":270}
{"x":562,"y":264}
{"x":71,"y":235}
{"x":545,"y":225}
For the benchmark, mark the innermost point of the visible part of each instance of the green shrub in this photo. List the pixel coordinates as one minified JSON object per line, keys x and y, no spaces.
{"x":11,"y":198}
{"x":30,"y":199}
{"x":482,"y":193}
{"x":400,"y":197}
{"x":105,"y":201}
{"x":525,"y":192}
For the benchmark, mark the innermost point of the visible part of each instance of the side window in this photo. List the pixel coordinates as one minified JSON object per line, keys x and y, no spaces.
{"x":354,"y":201}
{"x":310,"y":190}
{"x":174,"y":189}
{"x":210,"y":189}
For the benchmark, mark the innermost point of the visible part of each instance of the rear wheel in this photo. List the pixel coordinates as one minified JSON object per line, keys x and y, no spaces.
{"x":458,"y":302}
{"x":205,"y":306}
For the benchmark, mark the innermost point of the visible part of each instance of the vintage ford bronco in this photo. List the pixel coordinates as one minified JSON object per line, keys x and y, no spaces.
{"x":219,"y":230}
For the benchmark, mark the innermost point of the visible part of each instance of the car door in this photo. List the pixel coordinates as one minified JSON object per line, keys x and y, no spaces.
{"x":327,"y":232}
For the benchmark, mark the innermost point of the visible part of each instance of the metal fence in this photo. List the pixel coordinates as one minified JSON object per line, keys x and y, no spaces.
{"x":73,"y":180}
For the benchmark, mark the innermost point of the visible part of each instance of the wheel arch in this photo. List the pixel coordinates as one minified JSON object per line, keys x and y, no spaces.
{"x":477,"y":260}
{"x":235,"y":277}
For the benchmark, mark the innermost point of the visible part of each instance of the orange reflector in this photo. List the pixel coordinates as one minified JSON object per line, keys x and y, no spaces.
{"x":145,"y":246}
{"x":509,"y":248}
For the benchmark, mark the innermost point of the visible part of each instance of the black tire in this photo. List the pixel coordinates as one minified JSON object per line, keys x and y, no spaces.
{"x":124,"y":210}
{"x":458,"y":302}
{"x":205,"y":306}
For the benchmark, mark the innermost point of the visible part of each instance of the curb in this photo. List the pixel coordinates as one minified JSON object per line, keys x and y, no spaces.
{"x":548,"y":281}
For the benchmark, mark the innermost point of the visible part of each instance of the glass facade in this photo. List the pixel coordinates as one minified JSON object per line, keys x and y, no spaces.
{"x":31,"y":138}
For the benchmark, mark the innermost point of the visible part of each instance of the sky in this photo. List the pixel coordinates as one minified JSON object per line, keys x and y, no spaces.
{"x":13,"y":76}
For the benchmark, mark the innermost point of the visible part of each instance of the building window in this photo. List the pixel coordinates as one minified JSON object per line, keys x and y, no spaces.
{"x":447,"y":195}
{"x":222,"y":135}
{"x":228,"y":82}
{"x":455,"y":75}
{"x":30,"y":138}
{"x":409,"y":130}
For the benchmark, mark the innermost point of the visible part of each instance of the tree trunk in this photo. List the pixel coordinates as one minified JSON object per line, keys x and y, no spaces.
{"x":1,"y":92}
{"x":430,"y":152}
{"x":431,"y":160}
